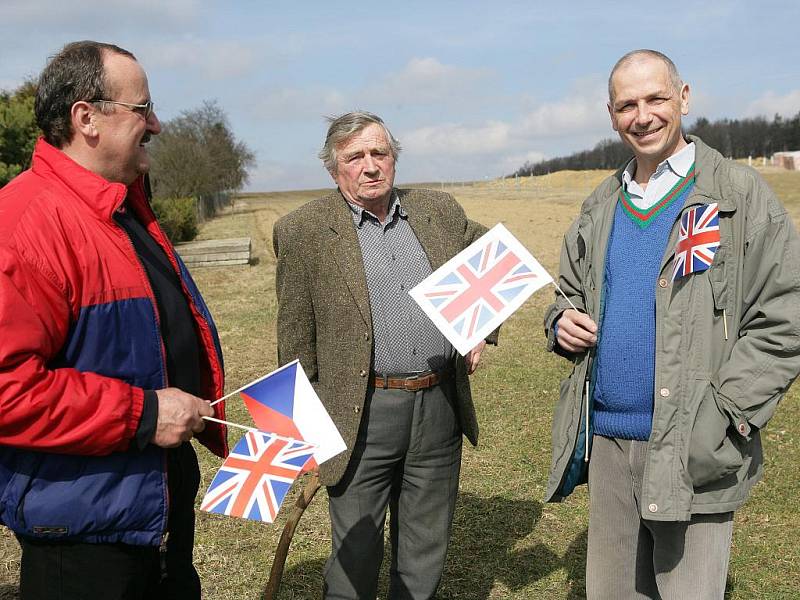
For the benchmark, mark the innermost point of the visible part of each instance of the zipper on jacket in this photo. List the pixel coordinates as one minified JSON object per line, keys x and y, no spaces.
{"x":205,"y":332}
{"x":152,"y":298}
{"x":586,"y":429}
{"x":584,"y":408}
{"x":162,"y":555}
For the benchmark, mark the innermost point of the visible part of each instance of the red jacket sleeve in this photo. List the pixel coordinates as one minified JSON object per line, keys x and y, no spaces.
{"x":53,"y":409}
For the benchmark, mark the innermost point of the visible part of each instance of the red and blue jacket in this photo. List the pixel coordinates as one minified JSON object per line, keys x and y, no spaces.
{"x":79,"y":344}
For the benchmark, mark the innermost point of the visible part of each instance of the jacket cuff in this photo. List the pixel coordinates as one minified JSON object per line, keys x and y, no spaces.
{"x":735,"y":416}
{"x":148,"y":421}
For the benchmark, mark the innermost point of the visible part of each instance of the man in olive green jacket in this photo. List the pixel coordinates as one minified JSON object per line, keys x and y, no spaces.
{"x":725,"y":347}
{"x":393,"y":385}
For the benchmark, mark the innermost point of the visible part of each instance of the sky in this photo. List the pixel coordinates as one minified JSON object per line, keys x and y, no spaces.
{"x":471,"y":89}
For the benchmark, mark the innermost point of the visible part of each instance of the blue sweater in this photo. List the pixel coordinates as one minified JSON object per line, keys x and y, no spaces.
{"x":625,"y":366}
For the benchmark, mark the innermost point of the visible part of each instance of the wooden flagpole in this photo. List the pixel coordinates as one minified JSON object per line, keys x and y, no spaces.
{"x":282,"y":551}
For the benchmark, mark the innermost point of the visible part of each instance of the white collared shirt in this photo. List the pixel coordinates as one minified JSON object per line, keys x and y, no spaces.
{"x":666,"y":175}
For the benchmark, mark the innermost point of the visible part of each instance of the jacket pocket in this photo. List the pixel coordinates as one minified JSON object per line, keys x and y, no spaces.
{"x":712,"y":453}
{"x":24,"y":466}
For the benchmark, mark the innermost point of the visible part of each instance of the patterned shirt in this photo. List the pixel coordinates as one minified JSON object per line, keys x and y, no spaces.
{"x":405,"y":339}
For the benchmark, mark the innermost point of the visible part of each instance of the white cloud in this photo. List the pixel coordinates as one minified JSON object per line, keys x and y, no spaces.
{"x":449,"y":138}
{"x":425,"y":81}
{"x":122,"y":13}
{"x":515,"y":161}
{"x":296,"y":103}
{"x":786,"y":105}
{"x":269,"y":175}
{"x":582,"y":110}
{"x":422,"y":82}
{"x":580,"y":114}
{"x":213,"y":60}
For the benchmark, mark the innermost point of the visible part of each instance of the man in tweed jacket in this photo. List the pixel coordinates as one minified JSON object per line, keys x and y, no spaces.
{"x":396,"y":389}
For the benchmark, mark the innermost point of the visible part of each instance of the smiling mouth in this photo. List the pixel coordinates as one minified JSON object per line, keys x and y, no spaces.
{"x":646,"y":134}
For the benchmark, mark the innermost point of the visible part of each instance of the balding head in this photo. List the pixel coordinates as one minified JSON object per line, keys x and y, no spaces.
{"x":74,"y":74}
{"x":640,"y":55}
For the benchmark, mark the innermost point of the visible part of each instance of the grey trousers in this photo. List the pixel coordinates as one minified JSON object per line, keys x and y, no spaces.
{"x":629,"y":557}
{"x":407,"y":457}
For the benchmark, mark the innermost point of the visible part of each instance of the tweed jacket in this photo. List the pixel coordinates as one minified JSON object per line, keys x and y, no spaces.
{"x":324,"y":316}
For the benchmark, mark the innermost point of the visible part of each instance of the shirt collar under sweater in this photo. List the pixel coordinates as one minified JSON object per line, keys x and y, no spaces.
{"x":663,"y":179}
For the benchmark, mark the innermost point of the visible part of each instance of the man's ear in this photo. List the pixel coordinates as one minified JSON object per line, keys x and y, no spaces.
{"x":685,"y":93}
{"x":611,"y":114}
{"x":83,"y":115}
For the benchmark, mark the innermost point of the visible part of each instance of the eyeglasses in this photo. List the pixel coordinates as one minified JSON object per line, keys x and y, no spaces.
{"x":142,"y":109}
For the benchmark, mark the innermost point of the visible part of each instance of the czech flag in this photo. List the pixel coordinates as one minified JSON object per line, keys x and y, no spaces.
{"x":284,"y":403}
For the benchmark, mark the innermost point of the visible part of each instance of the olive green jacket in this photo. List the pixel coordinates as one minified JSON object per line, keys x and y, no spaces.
{"x":727,"y":344}
{"x":324,"y":316}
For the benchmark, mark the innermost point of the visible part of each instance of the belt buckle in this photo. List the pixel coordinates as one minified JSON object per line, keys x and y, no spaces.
{"x":414,"y":377}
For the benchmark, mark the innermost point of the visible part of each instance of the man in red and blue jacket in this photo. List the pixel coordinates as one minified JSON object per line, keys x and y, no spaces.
{"x":107,"y":350}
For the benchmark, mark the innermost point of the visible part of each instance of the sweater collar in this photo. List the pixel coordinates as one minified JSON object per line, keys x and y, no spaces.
{"x":101,"y":196}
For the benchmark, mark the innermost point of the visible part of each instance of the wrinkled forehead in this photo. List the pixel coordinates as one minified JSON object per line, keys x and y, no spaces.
{"x":641,"y":77}
{"x":371,"y":137}
{"x":123,"y":74}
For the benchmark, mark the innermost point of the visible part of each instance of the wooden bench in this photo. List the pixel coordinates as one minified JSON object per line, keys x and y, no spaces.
{"x":215,"y":253}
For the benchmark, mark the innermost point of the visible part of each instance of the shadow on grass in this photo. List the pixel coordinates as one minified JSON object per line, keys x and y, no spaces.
{"x":483,"y":551}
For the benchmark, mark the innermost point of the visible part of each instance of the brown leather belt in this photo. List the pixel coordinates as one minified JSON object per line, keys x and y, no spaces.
{"x":411,"y":382}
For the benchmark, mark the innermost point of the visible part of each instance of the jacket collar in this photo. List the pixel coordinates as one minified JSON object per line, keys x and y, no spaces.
{"x":707,"y":181}
{"x":708,"y":186}
{"x":101,"y":196}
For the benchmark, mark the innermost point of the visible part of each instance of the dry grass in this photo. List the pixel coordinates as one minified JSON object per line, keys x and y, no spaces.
{"x":506,"y":543}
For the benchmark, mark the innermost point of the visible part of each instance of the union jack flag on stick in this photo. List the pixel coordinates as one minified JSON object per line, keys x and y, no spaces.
{"x":698,"y":240}
{"x":254,"y":479}
{"x":479,"y":288}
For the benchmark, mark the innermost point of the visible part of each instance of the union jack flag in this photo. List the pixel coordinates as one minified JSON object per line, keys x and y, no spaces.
{"x":478,"y":289}
{"x":698,"y":240}
{"x":254,"y":479}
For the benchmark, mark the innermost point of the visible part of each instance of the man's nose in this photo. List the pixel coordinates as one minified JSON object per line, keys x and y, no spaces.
{"x":153,"y":124}
{"x":643,"y":116}
{"x":370,"y":165}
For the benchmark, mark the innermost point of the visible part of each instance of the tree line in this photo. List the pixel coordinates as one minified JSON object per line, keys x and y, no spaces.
{"x":196,"y":161}
{"x":735,"y":138}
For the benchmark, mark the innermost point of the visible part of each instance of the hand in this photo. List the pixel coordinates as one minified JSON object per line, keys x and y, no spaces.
{"x":473,"y":357}
{"x":576,"y":331}
{"x":179,"y":417}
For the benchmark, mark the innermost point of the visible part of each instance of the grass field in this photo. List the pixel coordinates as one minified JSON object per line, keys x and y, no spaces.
{"x":506,"y":543}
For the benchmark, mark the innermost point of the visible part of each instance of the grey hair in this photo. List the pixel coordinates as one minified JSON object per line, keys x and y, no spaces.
{"x":344,"y":126}
{"x":633,"y":55}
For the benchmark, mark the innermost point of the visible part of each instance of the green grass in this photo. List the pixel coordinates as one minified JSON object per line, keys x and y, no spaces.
{"x":506,"y":543}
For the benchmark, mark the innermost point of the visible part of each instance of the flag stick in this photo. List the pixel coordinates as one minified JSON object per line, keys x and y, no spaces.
{"x":275,"y":435}
{"x":282,"y":551}
{"x":560,"y":291}
{"x":246,"y":385}
{"x":229,"y":424}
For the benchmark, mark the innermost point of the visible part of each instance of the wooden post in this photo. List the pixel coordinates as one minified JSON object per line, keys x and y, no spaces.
{"x":282,"y":551}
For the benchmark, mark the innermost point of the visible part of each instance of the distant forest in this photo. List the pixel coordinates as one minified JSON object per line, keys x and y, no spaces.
{"x":735,"y":138}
